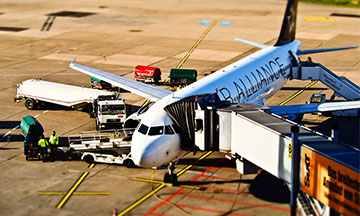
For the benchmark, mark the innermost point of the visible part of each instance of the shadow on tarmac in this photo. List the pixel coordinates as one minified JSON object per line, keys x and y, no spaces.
{"x":8,"y":124}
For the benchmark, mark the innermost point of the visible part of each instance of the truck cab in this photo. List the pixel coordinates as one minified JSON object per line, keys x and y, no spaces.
{"x":111,"y":112}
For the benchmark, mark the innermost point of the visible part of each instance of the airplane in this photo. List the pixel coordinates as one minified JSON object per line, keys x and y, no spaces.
{"x":157,"y":140}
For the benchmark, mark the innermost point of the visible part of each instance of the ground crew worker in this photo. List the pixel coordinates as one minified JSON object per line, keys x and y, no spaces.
{"x":54,"y":141}
{"x":43,"y":145}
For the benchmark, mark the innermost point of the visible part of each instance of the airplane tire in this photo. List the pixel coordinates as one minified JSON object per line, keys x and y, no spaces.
{"x":30,"y":103}
{"x":170,"y":178}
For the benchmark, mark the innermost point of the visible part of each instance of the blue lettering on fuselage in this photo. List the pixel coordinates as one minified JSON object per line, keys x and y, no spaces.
{"x":256,"y":80}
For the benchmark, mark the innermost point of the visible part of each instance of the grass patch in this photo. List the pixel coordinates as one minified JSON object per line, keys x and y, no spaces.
{"x":345,"y":3}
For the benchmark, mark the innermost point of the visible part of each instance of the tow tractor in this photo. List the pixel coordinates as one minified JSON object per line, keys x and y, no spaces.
{"x":107,"y":146}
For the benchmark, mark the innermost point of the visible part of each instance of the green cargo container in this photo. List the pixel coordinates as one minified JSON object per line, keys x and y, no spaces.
{"x":182,"y":76}
{"x":31,"y":129}
{"x":99,"y":84}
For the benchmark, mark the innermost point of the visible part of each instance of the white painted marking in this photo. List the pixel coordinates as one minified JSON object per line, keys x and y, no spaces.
{"x":6,"y":134}
{"x":46,"y":111}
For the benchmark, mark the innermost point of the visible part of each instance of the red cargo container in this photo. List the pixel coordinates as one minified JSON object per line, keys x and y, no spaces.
{"x":146,"y":73}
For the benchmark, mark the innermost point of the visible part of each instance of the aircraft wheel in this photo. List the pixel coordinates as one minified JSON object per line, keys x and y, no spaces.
{"x":29,"y":103}
{"x":170,"y":178}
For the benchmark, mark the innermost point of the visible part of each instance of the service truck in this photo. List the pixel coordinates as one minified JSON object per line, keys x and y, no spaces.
{"x":109,"y":110}
{"x":182,"y":76}
{"x":146,"y":73}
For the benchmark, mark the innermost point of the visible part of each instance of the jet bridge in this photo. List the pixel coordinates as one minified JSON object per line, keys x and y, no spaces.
{"x":315,"y":71}
{"x":261,"y":140}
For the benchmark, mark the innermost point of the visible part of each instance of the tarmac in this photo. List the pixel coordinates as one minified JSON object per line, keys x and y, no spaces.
{"x":115,"y":36}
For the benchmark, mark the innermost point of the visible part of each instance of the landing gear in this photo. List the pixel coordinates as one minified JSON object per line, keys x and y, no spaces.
{"x":170,"y":177}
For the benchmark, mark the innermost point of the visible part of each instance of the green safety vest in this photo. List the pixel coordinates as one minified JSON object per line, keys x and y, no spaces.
{"x":43,"y":143}
{"x":54,"y":140}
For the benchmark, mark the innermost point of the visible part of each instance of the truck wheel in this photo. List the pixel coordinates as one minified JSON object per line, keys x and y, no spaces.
{"x":89,"y":159}
{"x":29,"y":103}
{"x":129,"y":163}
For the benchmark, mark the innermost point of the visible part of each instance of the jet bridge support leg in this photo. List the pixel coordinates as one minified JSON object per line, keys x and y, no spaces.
{"x":295,"y":169}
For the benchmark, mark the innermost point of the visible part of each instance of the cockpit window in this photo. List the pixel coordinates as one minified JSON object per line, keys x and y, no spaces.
{"x":176,"y":128}
{"x":159,"y":130}
{"x":143,"y":129}
{"x":169,"y":130}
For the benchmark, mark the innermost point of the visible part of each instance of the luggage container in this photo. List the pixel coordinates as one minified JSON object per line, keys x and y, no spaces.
{"x":31,"y":129}
{"x":182,"y":76}
{"x":100,"y":84}
{"x":146,"y":73}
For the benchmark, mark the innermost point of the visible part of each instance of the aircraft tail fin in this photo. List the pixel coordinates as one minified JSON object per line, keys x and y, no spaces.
{"x":288,"y":28}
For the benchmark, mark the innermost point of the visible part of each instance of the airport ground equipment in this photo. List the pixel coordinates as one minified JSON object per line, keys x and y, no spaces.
{"x":108,"y":146}
{"x":116,"y":156}
{"x":99,"y":84}
{"x":341,"y":86}
{"x":146,"y":73}
{"x":329,"y":169}
{"x":182,"y":76}
{"x":38,"y":92}
{"x":31,"y":129}
{"x":109,"y":110}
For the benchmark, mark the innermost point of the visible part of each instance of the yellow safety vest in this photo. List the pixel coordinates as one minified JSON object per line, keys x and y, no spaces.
{"x":43,"y":143}
{"x":54,"y":140}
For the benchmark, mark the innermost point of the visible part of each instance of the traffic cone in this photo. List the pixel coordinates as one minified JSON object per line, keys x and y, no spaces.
{"x":115,"y":212}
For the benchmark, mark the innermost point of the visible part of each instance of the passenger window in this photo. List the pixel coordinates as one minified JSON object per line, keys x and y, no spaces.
{"x":143,"y":129}
{"x":168,"y":130}
{"x":176,"y":128}
{"x":159,"y":130}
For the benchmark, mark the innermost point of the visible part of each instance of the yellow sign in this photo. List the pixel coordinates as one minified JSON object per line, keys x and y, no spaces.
{"x":330,"y":182}
{"x":290,"y":151}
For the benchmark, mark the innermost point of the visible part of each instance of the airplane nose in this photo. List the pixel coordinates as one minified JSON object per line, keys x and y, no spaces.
{"x":146,"y":157}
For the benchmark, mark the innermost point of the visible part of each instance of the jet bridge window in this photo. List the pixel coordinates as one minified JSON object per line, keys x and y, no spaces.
{"x":159,"y":130}
{"x":143,"y":129}
{"x":169,"y":130}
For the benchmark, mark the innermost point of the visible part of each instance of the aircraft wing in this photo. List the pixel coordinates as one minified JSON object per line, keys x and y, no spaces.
{"x":310,"y":108}
{"x":147,"y":91}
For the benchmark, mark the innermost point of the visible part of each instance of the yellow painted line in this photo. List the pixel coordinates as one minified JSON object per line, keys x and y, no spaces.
{"x":298,"y":93}
{"x":75,"y":193}
{"x":319,"y":19}
{"x":161,"y":186}
{"x":71,"y":191}
{"x":196,"y":44}
{"x":92,"y":165}
{"x":52,"y":18}
{"x":142,"y":199}
{"x":189,"y":166}
{"x":194,"y":47}
{"x":167,"y":184}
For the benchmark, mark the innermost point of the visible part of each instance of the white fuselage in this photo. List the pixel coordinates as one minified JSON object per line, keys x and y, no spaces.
{"x":250,"y":80}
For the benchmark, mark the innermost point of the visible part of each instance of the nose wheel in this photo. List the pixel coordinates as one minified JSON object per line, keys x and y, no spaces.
{"x":170,"y":177}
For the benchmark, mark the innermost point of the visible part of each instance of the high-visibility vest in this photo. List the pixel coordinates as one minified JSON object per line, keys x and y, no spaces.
{"x":54,"y":139}
{"x":43,"y":143}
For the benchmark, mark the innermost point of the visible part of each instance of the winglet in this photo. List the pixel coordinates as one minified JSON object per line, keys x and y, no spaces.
{"x":73,"y":61}
{"x":304,"y":52}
